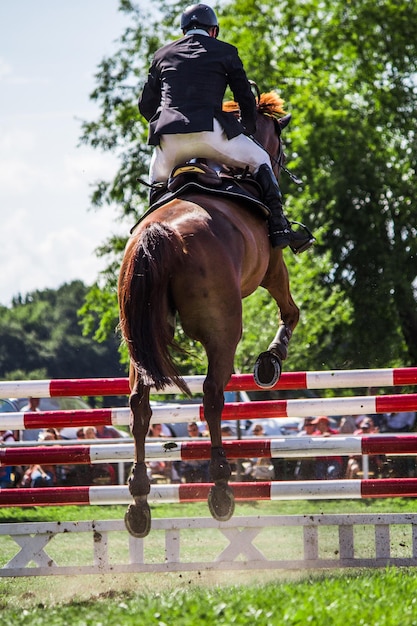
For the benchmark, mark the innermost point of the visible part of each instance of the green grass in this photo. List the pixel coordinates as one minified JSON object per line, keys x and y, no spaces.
{"x":342,"y":597}
{"x":377,"y":598}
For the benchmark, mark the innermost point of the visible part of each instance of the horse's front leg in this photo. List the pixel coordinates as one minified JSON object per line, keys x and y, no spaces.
{"x":268,"y":365}
{"x":279,"y":344}
{"x":138,"y":515}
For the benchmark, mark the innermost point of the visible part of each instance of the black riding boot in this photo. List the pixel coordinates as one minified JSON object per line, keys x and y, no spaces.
{"x":281,"y":234}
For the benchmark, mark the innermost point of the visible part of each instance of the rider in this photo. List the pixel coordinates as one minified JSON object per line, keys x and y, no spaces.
{"x":182,"y":100}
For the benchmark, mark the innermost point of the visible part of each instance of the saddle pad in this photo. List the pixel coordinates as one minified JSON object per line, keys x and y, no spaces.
{"x":229,"y":188}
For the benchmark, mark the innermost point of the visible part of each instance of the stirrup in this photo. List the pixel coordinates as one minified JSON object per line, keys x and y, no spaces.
{"x":302,"y":245}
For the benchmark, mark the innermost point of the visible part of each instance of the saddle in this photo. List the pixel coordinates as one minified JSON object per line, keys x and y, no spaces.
{"x":192,"y":177}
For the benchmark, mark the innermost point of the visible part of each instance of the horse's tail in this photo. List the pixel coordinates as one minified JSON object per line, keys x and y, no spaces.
{"x":145,"y":307}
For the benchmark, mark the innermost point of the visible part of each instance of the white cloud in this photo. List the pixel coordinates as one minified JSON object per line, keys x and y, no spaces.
{"x":16,"y":140}
{"x":19,"y":170}
{"x":48,"y":234}
{"x":85,"y":167}
{"x":5,"y":69}
{"x":11,"y":77}
{"x":37,"y":253}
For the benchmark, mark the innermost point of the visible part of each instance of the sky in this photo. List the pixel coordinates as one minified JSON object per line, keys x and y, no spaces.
{"x":49,"y":54}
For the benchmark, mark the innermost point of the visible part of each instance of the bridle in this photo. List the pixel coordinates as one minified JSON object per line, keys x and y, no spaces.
{"x":278,"y":159}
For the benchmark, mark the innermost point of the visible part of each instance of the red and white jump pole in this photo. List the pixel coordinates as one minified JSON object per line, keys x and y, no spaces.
{"x":306,"y":407}
{"x":171,"y":450}
{"x":331,"y":379}
{"x":198,"y":492}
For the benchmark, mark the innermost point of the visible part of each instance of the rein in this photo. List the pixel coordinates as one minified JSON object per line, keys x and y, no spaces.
{"x":278,"y":160}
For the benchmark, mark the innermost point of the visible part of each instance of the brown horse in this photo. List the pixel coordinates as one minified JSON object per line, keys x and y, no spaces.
{"x":198,"y":257}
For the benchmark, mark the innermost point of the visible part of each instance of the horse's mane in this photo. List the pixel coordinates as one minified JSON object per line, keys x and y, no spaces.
{"x":269,"y":104}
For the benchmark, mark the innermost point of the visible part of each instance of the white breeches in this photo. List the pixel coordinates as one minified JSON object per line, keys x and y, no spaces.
{"x":240,"y":151}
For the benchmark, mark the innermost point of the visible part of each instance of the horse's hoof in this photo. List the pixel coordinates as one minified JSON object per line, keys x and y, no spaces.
{"x":221,"y":502}
{"x":267,"y":369}
{"x":138,"y":519}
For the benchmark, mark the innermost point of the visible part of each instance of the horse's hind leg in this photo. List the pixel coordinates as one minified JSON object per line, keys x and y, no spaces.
{"x":221,"y":501}
{"x":138,"y":515}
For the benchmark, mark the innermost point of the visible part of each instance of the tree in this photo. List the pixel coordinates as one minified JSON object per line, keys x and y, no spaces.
{"x":350,"y":85}
{"x":41,"y":337}
{"x":347,"y":80}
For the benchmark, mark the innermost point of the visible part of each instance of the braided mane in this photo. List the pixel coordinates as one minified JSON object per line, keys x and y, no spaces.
{"x":269,"y":104}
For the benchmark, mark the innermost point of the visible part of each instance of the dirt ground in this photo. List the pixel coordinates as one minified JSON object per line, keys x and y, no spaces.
{"x":26,"y":592}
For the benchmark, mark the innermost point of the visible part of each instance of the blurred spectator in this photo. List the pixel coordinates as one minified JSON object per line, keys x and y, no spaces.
{"x":400,"y":422}
{"x":6,"y":436}
{"x":38,"y":476}
{"x":160,"y":430}
{"x":51,"y":474}
{"x":377,"y":418}
{"x":347,"y":425}
{"x":308,"y":427}
{"x":33,"y":405}
{"x":366,"y":427}
{"x":43,"y":475}
{"x":260,"y":468}
{"x":194,"y":471}
{"x":89,"y":432}
{"x":106,"y":432}
{"x":158,"y":470}
{"x":263,"y":469}
{"x":93,"y":474}
{"x":326,"y":467}
{"x":354,"y":467}
{"x":76,"y":474}
{"x":322,"y":427}
{"x":31,"y":434}
{"x":192,"y":430}
{"x":305,"y":468}
{"x":48,"y":434}
{"x":8,"y":475}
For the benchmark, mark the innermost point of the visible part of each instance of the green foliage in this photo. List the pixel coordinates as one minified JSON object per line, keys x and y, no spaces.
{"x":99,"y":313}
{"x":312,"y":342}
{"x":347,"y":73}
{"x":41,"y":337}
{"x":353,"y":101}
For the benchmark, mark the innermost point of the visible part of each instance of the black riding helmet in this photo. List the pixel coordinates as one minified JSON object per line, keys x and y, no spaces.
{"x":199,"y":16}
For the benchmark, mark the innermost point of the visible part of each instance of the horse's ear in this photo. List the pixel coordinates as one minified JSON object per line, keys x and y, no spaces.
{"x":284,"y":121}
